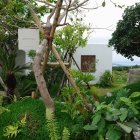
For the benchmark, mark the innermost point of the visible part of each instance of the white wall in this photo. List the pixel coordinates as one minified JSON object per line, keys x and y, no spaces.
{"x":28,"y":39}
{"x":103,"y":58}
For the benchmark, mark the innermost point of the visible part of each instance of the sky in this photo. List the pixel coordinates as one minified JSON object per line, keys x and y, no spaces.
{"x":104,"y":17}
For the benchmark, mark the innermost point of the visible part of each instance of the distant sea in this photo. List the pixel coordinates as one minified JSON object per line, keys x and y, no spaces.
{"x":119,"y":60}
{"x":121,"y":63}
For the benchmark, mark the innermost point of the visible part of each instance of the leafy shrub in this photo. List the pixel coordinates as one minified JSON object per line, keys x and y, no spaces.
{"x":53,"y":77}
{"x":126,"y":91}
{"x":32,"y":54}
{"x":106,"y":80}
{"x":26,"y":84}
{"x":135,"y":87}
{"x":11,"y":131}
{"x":81,"y":77}
{"x":116,"y":120}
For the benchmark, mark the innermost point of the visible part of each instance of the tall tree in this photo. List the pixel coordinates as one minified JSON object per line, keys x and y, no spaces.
{"x":126,"y":37}
{"x":59,"y":12}
{"x":14,"y":14}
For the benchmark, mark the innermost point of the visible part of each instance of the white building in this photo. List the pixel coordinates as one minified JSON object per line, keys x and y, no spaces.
{"x":28,"y":39}
{"x":95,"y":59}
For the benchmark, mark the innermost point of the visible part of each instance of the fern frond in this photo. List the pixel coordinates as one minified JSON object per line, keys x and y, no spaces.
{"x":52,"y":125}
{"x":3,"y":109}
{"x":66,"y":134}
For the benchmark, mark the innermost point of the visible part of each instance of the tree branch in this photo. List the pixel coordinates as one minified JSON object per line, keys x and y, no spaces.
{"x":79,"y":5}
{"x":67,"y":11}
{"x":46,"y":3}
{"x":51,"y":14}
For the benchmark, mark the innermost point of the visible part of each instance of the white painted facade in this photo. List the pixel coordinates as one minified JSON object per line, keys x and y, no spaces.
{"x":28,"y":39}
{"x":103,"y":55}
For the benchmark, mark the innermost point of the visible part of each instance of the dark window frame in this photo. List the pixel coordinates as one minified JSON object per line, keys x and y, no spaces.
{"x":88,"y":63}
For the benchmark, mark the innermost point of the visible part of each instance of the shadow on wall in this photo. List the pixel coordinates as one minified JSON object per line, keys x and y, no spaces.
{"x":21,"y":58}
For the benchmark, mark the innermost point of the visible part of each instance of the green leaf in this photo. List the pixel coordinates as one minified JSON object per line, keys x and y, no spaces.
{"x":23,"y":120}
{"x":134,"y":95}
{"x":126,"y":128}
{"x":90,"y":127}
{"x":133,"y":108}
{"x":116,"y":112}
{"x":104,"y":3}
{"x":113,"y":134}
{"x":96,"y":119}
{"x":133,"y":125}
{"x":108,"y":116}
{"x":101,"y":127}
{"x":3,"y":109}
{"x":100,"y":106}
{"x":11,"y":131}
{"x":101,"y":137}
{"x":124,"y":113}
{"x":127,"y":101}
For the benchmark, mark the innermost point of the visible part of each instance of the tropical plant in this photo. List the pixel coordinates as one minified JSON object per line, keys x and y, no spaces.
{"x":11,"y":131}
{"x":26,"y":84}
{"x":9,"y":71}
{"x":82,"y":78}
{"x":106,"y":80}
{"x":117,"y":119}
{"x":74,"y":105}
{"x":125,"y":38}
{"x":3,"y":109}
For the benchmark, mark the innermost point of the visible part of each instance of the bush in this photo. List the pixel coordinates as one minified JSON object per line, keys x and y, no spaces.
{"x":106,"y":80}
{"x":135,"y":87}
{"x":117,"y":119}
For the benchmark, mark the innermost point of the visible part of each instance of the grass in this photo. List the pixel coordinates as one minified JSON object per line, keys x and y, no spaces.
{"x":36,"y":119}
{"x":35,"y":111}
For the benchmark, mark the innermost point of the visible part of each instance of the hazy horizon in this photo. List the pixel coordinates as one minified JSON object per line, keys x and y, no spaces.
{"x":117,"y":59}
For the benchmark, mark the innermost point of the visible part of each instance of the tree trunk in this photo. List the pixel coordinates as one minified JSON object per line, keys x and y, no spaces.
{"x":69,"y":76}
{"x":39,"y":77}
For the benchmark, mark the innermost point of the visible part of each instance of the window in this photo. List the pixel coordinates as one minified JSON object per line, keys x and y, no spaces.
{"x":88,"y":63}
